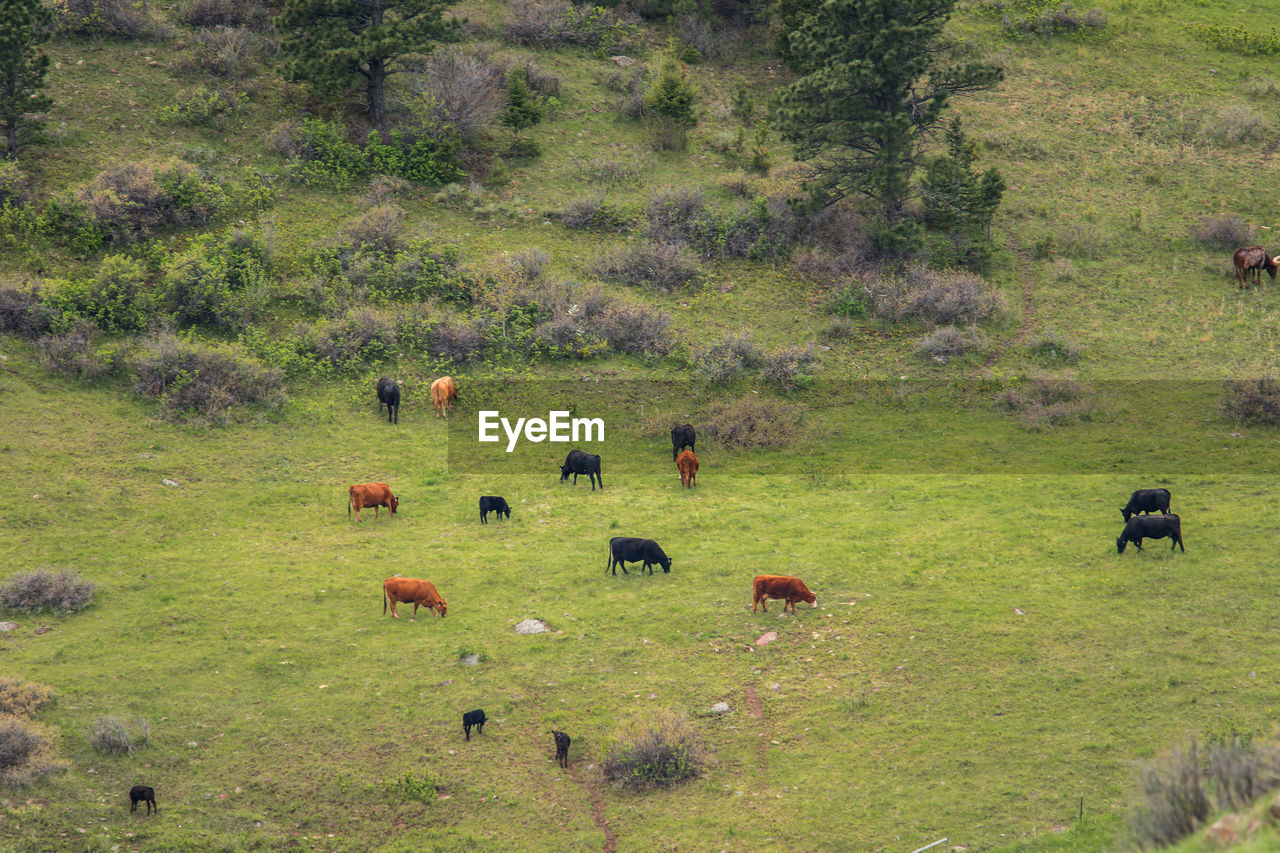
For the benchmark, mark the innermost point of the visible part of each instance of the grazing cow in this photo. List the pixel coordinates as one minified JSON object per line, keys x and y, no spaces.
{"x":421,"y":593}
{"x":489,"y":504}
{"x":371,"y":495}
{"x":389,"y":395}
{"x":143,"y":794}
{"x":1151,"y":527}
{"x":681,"y":437}
{"x":474,"y":718}
{"x":580,"y":462}
{"x":1148,"y":501}
{"x":688,"y":465}
{"x":628,"y":549}
{"x":443,"y":392}
{"x":562,"y":748}
{"x":1250,"y":262}
{"x":784,"y":587}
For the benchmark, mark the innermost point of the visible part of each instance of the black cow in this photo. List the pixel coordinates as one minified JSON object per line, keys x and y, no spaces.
{"x":142,"y":794}
{"x":628,"y":549}
{"x":389,"y":395}
{"x":1148,"y":501}
{"x":681,"y":437}
{"x":580,"y":462}
{"x":490,"y":503}
{"x":473,"y":718}
{"x":562,"y":748}
{"x":1151,"y":527}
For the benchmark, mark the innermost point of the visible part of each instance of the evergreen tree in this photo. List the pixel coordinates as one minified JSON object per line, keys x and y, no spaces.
{"x":24,"y":25}
{"x":955,"y":197}
{"x":788,"y":16}
{"x":522,"y":109}
{"x":875,"y":85}
{"x":670,"y":101}
{"x":327,"y":43}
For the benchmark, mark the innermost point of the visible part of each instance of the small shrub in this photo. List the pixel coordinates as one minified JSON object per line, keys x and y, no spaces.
{"x":457,"y":342}
{"x":111,"y":18}
{"x":217,"y":282}
{"x":1261,"y":87}
{"x":1238,"y":40}
{"x":20,"y":698}
{"x":1235,"y":124}
{"x":75,"y":354}
{"x":1047,"y":403}
{"x":377,"y":229}
{"x":529,"y":263}
{"x":556,"y":22}
{"x":657,"y":753}
{"x":1051,"y":347}
{"x":201,"y":379}
{"x":1252,"y":401}
{"x":938,"y":297}
{"x":600,"y":171}
{"x":724,"y":359}
{"x":13,"y":183}
{"x":227,"y":52}
{"x":946,"y":342}
{"x":116,"y":299}
{"x":17,"y":744}
{"x":1082,"y":240}
{"x":363,"y":335}
{"x":111,"y":736}
{"x":461,"y":89}
{"x":751,"y":423}
{"x":655,"y":264}
{"x":787,"y":369}
{"x":30,"y":592}
{"x":594,"y":214}
{"x":710,"y":40}
{"x":1175,"y":800}
{"x":131,"y":200}
{"x":225,"y":13}
{"x":204,"y":107}
{"x":22,"y":313}
{"x":409,"y":787}
{"x":636,"y":330}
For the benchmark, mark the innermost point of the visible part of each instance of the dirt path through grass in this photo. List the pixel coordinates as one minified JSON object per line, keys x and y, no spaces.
{"x":596,"y":796}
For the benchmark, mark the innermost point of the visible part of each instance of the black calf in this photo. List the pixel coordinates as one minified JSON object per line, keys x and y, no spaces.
{"x":142,"y":794}
{"x":474,"y":718}
{"x":562,"y":748}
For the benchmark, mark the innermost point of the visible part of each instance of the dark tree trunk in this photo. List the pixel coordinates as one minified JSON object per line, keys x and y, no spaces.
{"x":377,"y":95}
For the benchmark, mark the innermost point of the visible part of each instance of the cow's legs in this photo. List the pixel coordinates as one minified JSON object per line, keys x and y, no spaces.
{"x":394,"y":614}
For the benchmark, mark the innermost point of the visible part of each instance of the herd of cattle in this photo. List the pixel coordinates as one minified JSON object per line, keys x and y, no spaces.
{"x":1140,"y":523}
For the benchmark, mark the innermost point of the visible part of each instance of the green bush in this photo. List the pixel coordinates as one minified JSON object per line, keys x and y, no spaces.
{"x":201,"y":380}
{"x":320,"y":154}
{"x":13,"y":183}
{"x":218,"y":281}
{"x":723,"y":360}
{"x":204,"y":107}
{"x":112,"y":18}
{"x":594,"y":214}
{"x":130,"y":201}
{"x":116,"y":299}
{"x":554,"y":22}
{"x":660,"y":753}
{"x":1237,"y":40}
{"x":76,"y":353}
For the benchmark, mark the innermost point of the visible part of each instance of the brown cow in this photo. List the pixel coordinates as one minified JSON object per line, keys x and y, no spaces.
{"x":443,"y":392}
{"x":421,"y":593}
{"x":780,"y":586}
{"x":371,"y":495}
{"x":688,"y":465}
{"x":1250,"y":262}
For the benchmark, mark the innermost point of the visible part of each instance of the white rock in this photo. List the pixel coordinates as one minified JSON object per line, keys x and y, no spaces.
{"x":720,"y":708}
{"x":171,"y":483}
{"x":6,"y":627}
{"x":532,"y":626}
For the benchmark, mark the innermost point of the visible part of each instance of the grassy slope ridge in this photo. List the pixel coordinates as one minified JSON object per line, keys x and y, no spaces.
{"x":981,"y":657}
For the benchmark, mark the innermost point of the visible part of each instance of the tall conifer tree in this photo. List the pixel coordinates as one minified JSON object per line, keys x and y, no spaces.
{"x":24,"y":26}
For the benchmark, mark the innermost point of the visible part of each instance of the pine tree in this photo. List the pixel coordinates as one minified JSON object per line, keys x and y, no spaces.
{"x":522,"y":109}
{"x":670,"y":102}
{"x":328,"y":44}
{"x":874,"y":87}
{"x":955,"y":197}
{"x":24,"y":26}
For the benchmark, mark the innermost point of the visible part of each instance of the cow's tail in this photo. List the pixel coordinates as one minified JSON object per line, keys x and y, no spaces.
{"x":384,"y":601}
{"x":348,"y":506}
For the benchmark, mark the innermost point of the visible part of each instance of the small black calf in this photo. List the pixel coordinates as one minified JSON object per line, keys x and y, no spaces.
{"x":489,"y":504}
{"x":142,"y":794}
{"x":389,"y":395}
{"x":474,"y":718}
{"x":562,"y":748}
{"x":681,"y":437}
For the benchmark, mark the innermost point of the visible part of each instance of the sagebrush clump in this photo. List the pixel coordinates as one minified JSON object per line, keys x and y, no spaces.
{"x":661,"y":752}
{"x":111,"y":735}
{"x":751,"y":423}
{"x":202,"y":379}
{"x":654,"y":264}
{"x":20,"y":698}
{"x":64,"y":591}
{"x":1252,"y":401}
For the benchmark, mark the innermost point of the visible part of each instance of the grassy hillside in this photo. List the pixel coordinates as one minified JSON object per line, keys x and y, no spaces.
{"x":982,"y":664}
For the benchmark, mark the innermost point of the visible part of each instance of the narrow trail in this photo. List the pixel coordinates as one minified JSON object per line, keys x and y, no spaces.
{"x":596,"y":796}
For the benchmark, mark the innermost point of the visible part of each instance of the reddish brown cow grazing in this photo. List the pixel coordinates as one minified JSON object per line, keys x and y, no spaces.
{"x":780,"y":586}
{"x":421,"y":593}
{"x":687,"y":463}
{"x":371,"y":495}
{"x":1250,"y":262}
{"x":443,"y":392}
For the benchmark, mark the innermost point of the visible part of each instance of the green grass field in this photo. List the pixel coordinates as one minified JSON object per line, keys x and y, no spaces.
{"x":981,"y":665}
